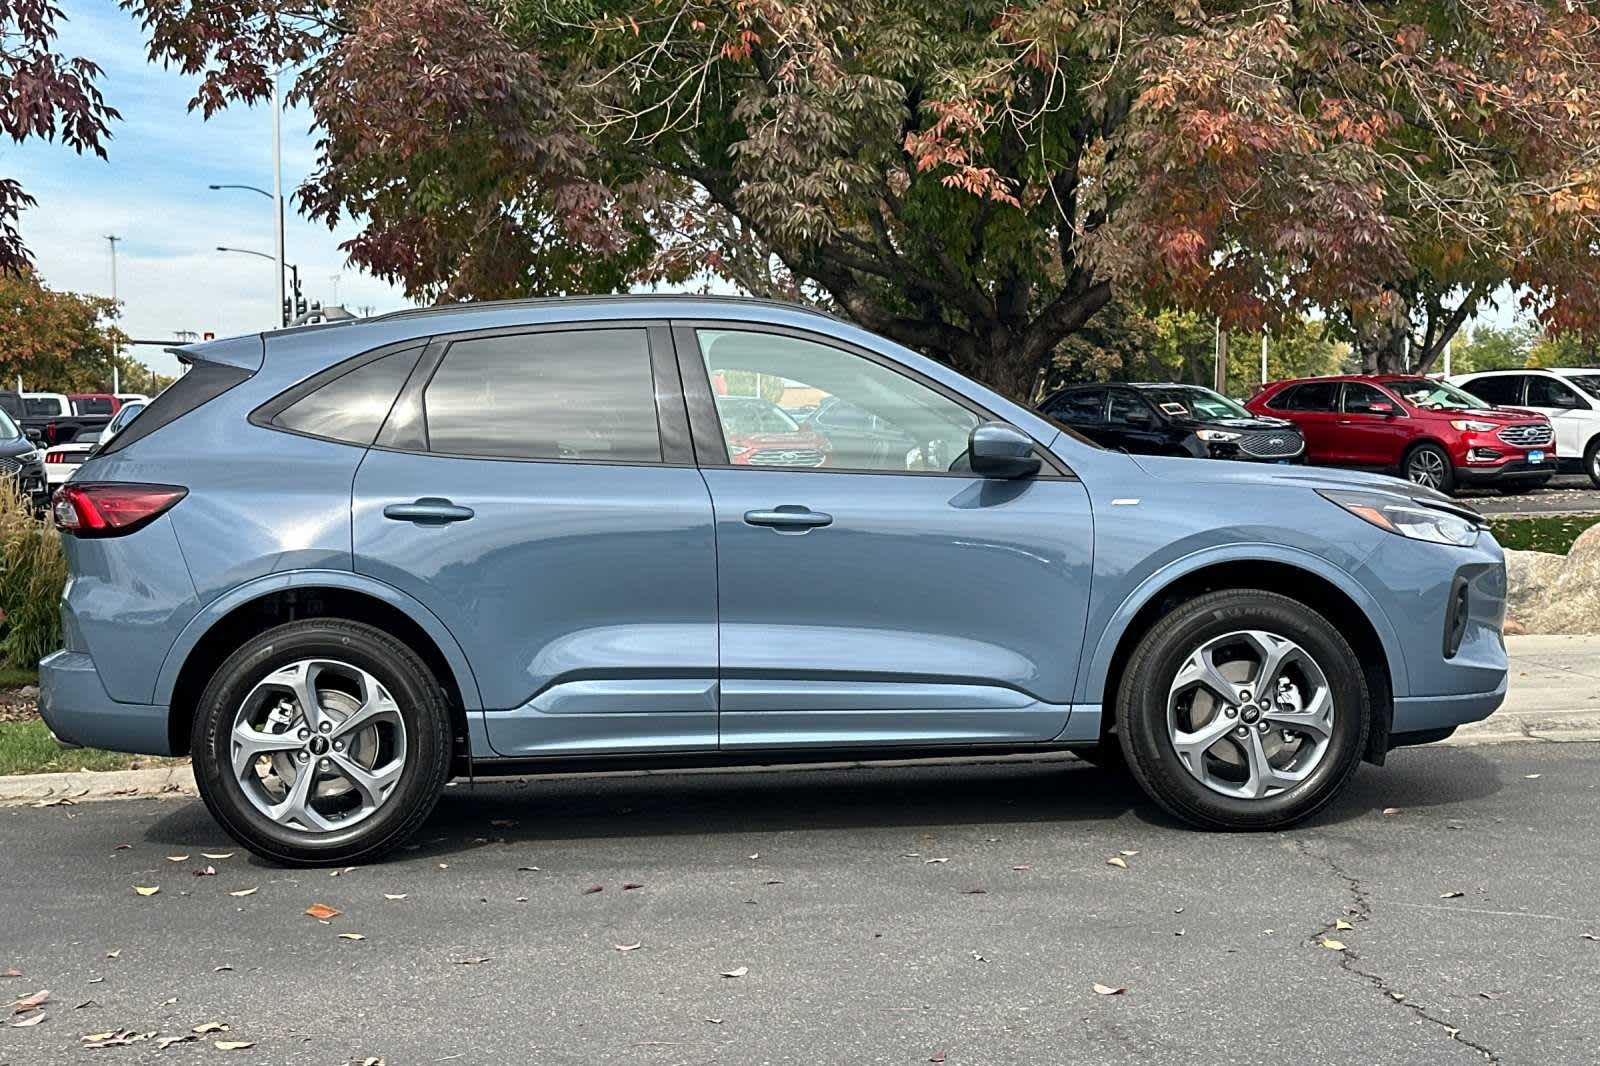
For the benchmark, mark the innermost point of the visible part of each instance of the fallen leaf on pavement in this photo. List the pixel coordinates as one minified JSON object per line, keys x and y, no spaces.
{"x":740,"y":972}
{"x":216,"y":854}
{"x":322,"y":912}
{"x":933,"y":862}
{"x":222,"y":969}
{"x":755,"y":855}
{"x":117,"y":954}
{"x":1022,"y":867}
{"x":341,"y":873}
{"x":168,"y":1041}
{"x":1332,"y":944}
{"x":206,"y":871}
{"x":527,"y":869}
{"x":1127,"y":854}
{"x":629,"y":886}
{"x":177,"y":858}
{"x":1117,"y":861}
{"x":11,"y":973}
{"x":243,"y":892}
{"x":233,"y":1045}
{"x":209,"y":1027}
{"x":628,"y":947}
{"x":351,"y":936}
{"x":975,"y":892}
{"x":1391,"y":811}
{"x":1585,"y":936}
{"x":147,"y":890}
{"x":1451,"y":895}
{"x":33,"y":1002}
{"x":395,"y":895}
{"x":32,"y":1019}
{"x":1342,"y":924}
{"x":475,"y":960}
{"x":1108,"y":990}
{"x":937,"y":1056}
{"x":714,"y":1021}
{"x":1531,"y":777}
{"x":592,"y":889}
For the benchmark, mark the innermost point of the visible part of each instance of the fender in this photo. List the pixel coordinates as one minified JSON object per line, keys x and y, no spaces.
{"x":1092,"y":678}
{"x":225,"y":604}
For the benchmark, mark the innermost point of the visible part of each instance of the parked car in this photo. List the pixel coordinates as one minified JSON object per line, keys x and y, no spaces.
{"x":54,"y":418}
{"x":126,"y":413}
{"x":338,"y":566}
{"x":1425,"y":430}
{"x":61,"y":461}
{"x":21,"y":462}
{"x":760,"y":433}
{"x":1570,"y":398}
{"x":125,"y":398}
{"x":1152,"y":419}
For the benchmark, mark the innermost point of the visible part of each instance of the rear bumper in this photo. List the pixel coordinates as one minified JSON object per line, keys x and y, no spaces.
{"x":74,"y":704}
{"x":1421,"y":714}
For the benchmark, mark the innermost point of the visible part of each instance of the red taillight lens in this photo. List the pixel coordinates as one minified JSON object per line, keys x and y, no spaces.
{"x":55,"y":457}
{"x":109,"y":509}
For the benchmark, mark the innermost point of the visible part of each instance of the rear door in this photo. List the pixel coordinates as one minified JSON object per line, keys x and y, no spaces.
{"x":1312,"y":405}
{"x":890,"y":598}
{"x":535,"y":489}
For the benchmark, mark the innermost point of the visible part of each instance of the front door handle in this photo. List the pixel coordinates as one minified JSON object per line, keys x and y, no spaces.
{"x":788,"y":518}
{"x":428,"y":511}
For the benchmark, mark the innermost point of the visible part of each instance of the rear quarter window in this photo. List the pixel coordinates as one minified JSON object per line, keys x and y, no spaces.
{"x":351,"y":406}
{"x":203,"y":383}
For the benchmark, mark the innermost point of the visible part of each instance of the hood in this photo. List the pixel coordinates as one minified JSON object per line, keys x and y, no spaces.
{"x":1215,"y":471}
{"x":1500,"y":416}
{"x":1263,"y":423}
{"x":11,"y":447}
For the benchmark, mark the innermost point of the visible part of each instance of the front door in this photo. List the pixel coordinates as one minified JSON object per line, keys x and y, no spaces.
{"x":535,"y":490}
{"x":881,"y":596}
{"x":1372,"y":428}
{"x":1568,"y":410}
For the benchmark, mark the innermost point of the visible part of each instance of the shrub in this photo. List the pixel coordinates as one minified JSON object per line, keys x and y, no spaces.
{"x":33,"y":571}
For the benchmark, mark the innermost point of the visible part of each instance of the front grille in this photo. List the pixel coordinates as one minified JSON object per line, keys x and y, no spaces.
{"x":1271,"y":444}
{"x":1528,"y":436}
{"x":794,"y":457}
{"x":9,"y":465}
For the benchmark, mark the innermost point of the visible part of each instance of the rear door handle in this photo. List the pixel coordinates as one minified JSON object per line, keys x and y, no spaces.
{"x":788,"y":518}
{"x":428,"y":511}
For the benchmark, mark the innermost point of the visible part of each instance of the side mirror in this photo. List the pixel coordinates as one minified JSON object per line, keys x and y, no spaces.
{"x":1000,"y":450}
{"x":1381,"y":407}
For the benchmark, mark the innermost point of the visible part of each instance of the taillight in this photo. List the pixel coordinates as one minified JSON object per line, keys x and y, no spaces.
{"x":107,"y":509}
{"x":55,"y":457}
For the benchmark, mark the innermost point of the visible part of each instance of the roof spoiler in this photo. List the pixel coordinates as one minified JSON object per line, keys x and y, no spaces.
{"x":244,"y":352}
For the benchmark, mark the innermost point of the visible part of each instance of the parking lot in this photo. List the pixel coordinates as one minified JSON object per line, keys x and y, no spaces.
{"x":1565,"y":494}
{"x":950,"y":913}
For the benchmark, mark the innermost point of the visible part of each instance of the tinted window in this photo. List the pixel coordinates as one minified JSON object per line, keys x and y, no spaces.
{"x":1502,"y":389}
{"x":92,"y":405}
{"x":42,"y":407}
{"x":352,"y":406}
{"x":1081,"y":407}
{"x":8,"y":428}
{"x":1359,"y":398}
{"x":1129,"y":410}
{"x":1312,"y":396}
{"x":1552,"y":392}
{"x":203,"y":382}
{"x":878,"y":419}
{"x":582,"y":394}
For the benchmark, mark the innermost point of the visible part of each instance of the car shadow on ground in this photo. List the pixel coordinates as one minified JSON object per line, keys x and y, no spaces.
{"x":1061,"y":790}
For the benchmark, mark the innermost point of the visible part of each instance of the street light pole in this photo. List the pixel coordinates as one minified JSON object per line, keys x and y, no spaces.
{"x":277,"y":182}
{"x":116,"y":372}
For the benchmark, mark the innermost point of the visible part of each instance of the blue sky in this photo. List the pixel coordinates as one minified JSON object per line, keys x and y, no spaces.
{"x":152,"y":193}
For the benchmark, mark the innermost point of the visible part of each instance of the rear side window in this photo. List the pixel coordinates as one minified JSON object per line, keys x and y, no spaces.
{"x":1502,"y":389}
{"x":1082,"y":407}
{"x":204,"y":382}
{"x":578,"y":394}
{"x":1312,"y":396}
{"x":352,"y":406}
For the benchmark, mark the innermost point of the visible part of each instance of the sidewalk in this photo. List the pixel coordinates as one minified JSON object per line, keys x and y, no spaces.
{"x":1554,"y":695}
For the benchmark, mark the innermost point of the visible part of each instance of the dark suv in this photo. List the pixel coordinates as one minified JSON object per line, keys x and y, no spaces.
{"x":1149,"y":419}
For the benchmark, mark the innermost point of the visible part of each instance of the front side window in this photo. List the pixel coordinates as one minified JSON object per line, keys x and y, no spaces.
{"x":577,"y":394}
{"x":352,"y":406}
{"x":1359,"y":399}
{"x":1127,"y":409}
{"x":869,"y":417}
{"x":1552,"y":392}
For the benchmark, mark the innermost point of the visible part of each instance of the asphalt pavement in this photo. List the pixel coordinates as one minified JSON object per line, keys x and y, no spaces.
{"x":951,"y":913}
{"x":1565,"y":494}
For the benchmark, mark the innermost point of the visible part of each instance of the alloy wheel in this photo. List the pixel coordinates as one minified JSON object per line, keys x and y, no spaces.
{"x":318,"y":745}
{"x":1250,"y":714}
{"x":1426,"y":467}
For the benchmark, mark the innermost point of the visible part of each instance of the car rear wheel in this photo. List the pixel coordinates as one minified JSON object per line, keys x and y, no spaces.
{"x":1429,"y":465}
{"x":321,"y":741}
{"x":1243,"y":710}
{"x":1591,"y":461}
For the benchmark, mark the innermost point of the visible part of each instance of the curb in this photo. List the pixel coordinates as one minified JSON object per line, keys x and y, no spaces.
{"x":83,"y":786}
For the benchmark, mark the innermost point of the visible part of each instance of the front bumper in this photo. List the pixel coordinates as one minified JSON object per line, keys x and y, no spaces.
{"x":1508,"y":472}
{"x":1423,"y":714}
{"x":74,"y":704}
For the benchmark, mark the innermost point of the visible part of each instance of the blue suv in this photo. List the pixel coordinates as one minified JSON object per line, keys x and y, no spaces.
{"x":340,"y":564}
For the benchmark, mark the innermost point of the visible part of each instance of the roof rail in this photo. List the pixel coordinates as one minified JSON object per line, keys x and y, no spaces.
{"x":548,"y":301}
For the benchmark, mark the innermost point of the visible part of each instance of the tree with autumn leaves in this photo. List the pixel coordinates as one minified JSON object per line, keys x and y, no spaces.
{"x":977,"y":180}
{"x":62,"y":341}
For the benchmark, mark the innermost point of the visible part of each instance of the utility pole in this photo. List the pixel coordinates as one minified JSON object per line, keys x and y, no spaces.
{"x":1263,"y":357}
{"x":1220,"y":379}
{"x":335,"y":279}
{"x":277,"y":180}
{"x":116,"y":371}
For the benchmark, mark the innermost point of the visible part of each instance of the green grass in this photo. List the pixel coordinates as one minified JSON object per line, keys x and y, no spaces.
{"x":28,"y":748}
{"x":16,"y":677}
{"x":1554,"y":533}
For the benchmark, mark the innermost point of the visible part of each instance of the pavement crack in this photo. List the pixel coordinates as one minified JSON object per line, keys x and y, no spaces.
{"x":1359,"y":909}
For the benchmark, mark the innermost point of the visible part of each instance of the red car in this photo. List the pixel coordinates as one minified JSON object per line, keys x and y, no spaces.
{"x":761,"y":433}
{"x":1425,"y":430}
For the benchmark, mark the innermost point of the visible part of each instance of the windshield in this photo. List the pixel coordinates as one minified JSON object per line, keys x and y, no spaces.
{"x":1193,"y":401}
{"x":8,"y":428}
{"x":1437,"y":395}
{"x":1589,"y":383}
{"x":743,"y":415}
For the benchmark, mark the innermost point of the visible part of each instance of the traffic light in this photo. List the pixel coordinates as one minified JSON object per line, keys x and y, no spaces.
{"x":299,"y":298}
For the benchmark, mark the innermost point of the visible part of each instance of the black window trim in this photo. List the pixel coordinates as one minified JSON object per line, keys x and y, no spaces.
{"x":1385,"y":394}
{"x":265,"y":415}
{"x":711,"y":449}
{"x":672,"y":420}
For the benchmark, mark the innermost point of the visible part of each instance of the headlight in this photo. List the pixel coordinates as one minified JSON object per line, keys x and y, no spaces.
{"x":1215,"y":436}
{"x":1471,"y":425}
{"x":1409,"y":518}
{"x":29,"y":456}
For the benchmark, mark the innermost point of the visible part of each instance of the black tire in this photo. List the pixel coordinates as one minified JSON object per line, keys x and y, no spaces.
{"x":1436,"y":461}
{"x":1142,"y":709}
{"x":1591,"y":462}
{"x":423,"y":709}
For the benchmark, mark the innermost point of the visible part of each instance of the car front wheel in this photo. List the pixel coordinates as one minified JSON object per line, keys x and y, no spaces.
{"x":1243,"y":709}
{"x":321,"y":741}
{"x":1429,"y":465}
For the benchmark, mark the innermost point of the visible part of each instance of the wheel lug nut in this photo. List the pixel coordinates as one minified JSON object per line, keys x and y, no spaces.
{"x":1264,"y":727}
{"x":304,"y":755}
{"x":1243,"y":731}
{"x":1232,"y":712}
{"x":326,"y":727}
{"x":338,"y":745}
{"x":304,"y":733}
{"x":324,"y":764}
{"x":1244,"y":695}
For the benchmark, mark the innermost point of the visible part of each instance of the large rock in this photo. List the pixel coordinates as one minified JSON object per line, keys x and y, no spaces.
{"x":1556,"y":594}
